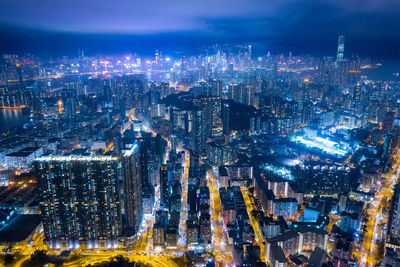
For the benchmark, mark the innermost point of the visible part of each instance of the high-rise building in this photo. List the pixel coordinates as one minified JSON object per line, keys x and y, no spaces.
{"x":172,"y":153}
{"x":235,"y":92}
{"x":286,"y":207}
{"x":164,"y":186}
{"x":340,"y":49}
{"x":216,"y":87}
{"x":172,"y":124}
{"x":388,"y":121}
{"x":357,"y":92}
{"x":241,"y":93}
{"x":252,"y":125}
{"x":192,"y":232}
{"x":84,"y":200}
{"x":249,"y":47}
{"x":133,"y":174}
{"x":342,"y":65}
{"x":212,"y":116}
{"x":393,"y":228}
{"x":341,"y":74}
{"x":159,"y":228}
{"x":80,"y":200}
{"x":354,"y":70}
{"x":198,"y":131}
{"x":225,"y":118}
{"x":326,"y":70}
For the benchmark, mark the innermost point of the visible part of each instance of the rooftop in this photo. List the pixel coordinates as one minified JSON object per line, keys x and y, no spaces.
{"x":277,"y":254}
{"x":20,"y":228}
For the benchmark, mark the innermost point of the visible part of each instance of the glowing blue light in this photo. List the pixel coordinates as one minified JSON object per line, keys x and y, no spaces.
{"x":324,"y":144}
{"x":130,"y":151}
{"x":279,"y":171}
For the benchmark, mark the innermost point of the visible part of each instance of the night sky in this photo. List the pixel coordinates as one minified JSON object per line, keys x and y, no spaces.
{"x":54,"y":27}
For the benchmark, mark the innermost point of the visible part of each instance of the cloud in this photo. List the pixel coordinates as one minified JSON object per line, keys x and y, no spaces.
{"x":156,"y":16}
{"x":126,"y":16}
{"x":307,"y":26}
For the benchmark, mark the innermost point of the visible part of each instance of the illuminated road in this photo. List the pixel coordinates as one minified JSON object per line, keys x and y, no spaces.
{"x":369,"y":252}
{"x":141,"y":253}
{"x":109,"y":147}
{"x":145,"y":241}
{"x":36,"y":244}
{"x":333,"y":220}
{"x":22,"y":260}
{"x":253,"y":222}
{"x":222,"y":250}
{"x":95,"y":258}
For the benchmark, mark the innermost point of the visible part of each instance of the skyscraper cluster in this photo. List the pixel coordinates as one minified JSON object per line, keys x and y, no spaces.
{"x":230,"y":156}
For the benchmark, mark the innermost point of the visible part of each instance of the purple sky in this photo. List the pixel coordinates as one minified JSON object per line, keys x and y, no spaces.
{"x":158,"y":16}
{"x":302,"y":22}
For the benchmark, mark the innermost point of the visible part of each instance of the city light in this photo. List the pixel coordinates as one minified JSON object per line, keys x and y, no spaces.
{"x":77,"y":158}
{"x":279,"y":171}
{"x":221,"y":154}
{"x":323,"y":144}
{"x":291,"y":162}
{"x":131,"y":150}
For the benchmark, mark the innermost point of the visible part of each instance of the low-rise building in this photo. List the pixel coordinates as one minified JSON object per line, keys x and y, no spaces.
{"x":21,"y":230}
{"x":24,"y":158}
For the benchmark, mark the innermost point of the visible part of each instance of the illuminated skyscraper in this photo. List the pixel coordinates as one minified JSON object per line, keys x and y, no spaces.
{"x":393,"y":232}
{"x":85,"y":198}
{"x":357,"y":92}
{"x":340,"y":49}
{"x":164,"y":186}
{"x":198,"y":133}
{"x":212,"y":116}
{"x":80,"y":200}
{"x":249,"y":47}
{"x":225,"y":118}
{"x":134,"y":177}
{"x":216,"y":87}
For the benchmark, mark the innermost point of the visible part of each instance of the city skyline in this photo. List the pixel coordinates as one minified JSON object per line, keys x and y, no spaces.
{"x":209,"y":133}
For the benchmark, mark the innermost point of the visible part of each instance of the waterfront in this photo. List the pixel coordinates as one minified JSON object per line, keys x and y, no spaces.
{"x":10,"y":119}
